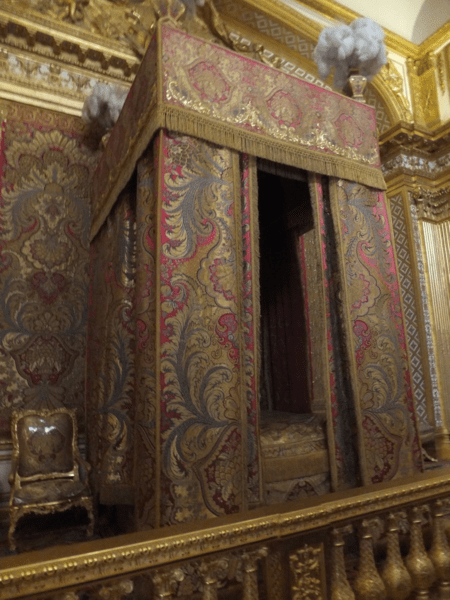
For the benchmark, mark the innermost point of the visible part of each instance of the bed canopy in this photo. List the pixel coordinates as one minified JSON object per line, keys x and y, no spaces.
{"x":174,"y":337}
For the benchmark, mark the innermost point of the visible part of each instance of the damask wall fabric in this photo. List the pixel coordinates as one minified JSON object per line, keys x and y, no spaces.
{"x":182,"y":323}
{"x":45,"y":173}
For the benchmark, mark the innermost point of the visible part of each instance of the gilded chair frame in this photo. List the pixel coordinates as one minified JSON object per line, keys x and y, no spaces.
{"x":16,"y":480}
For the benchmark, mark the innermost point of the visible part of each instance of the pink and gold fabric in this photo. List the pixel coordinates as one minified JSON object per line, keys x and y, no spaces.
{"x":111,"y":354}
{"x":194,"y":87}
{"x":177,"y":335}
{"x":174,"y":307}
{"x":374,"y":327}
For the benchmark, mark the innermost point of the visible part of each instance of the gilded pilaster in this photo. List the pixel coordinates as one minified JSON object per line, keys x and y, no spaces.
{"x":433,"y":211}
{"x":422,"y":76}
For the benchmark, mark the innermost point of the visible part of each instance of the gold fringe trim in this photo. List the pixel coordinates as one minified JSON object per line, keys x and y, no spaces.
{"x":263,"y":146}
{"x":209,"y":129}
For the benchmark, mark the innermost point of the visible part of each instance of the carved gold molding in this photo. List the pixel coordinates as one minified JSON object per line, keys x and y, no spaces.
{"x":424,"y":90}
{"x":279,"y":11}
{"x":46,"y":84}
{"x":44,"y":37}
{"x":394,"y":81}
{"x":308,"y":573}
{"x":433,"y":205}
{"x":435,"y":41}
{"x":43,"y":571}
{"x":441,"y":71}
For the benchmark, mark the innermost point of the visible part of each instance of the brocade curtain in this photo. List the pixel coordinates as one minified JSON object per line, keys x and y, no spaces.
{"x":172,"y":376}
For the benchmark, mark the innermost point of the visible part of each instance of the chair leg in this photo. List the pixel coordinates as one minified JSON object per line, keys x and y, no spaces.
{"x":14,"y":517}
{"x":90,"y":511}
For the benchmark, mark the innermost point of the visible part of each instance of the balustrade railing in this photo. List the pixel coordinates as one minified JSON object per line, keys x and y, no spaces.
{"x":387,"y":541}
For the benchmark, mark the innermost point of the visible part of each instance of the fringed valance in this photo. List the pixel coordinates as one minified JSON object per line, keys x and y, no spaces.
{"x":196,"y":88}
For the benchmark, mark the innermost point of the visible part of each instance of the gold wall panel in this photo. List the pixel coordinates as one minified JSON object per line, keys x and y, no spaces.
{"x":436,"y":239}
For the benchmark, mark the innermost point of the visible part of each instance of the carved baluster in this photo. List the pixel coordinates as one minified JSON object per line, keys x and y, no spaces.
{"x":340,"y":587}
{"x":211,"y":571}
{"x":307,"y":573}
{"x":250,"y":580}
{"x":165,"y":582}
{"x":115,"y":590}
{"x":275,"y":574}
{"x":440,"y":551}
{"x":417,"y":562}
{"x":395,"y":575}
{"x":368,"y":584}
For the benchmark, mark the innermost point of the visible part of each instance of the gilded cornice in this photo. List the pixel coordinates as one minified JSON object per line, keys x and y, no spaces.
{"x":411,"y":135}
{"x":279,"y":11}
{"x":54,"y":568}
{"x":67,"y":43}
{"x":434,"y":171}
{"x":46,"y":84}
{"x":433,"y":205}
{"x":435,"y":41}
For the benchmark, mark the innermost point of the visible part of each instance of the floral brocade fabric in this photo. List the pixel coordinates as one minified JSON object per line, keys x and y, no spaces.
{"x":389,"y":441}
{"x":172,"y":326}
{"x":44,"y":214}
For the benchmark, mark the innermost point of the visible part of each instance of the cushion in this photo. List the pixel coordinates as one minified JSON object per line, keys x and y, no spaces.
{"x":292,"y":445}
{"x":45,"y":444}
{"x":49,"y":491}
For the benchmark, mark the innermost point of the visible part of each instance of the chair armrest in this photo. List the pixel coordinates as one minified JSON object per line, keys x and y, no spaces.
{"x":85,"y":467}
{"x":12,"y":475}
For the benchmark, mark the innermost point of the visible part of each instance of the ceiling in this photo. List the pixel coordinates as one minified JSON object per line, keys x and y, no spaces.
{"x":414,"y":20}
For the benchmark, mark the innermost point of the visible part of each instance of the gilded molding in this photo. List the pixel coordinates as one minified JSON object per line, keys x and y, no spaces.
{"x":441,"y":72}
{"x":390,"y":75}
{"x":433,"y":205}
{"x":331,"y":9}
{"x":59,"y":567}
{"x":435,"y":41}
{"x":413,"y":164}
{"x":66,"y":43}
{"x":424,"y":90}
{"x":45,"y":83}
{"x":307,"y":569}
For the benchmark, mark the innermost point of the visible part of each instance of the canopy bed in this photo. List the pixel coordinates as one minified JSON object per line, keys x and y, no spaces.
{"x":222,"y":177}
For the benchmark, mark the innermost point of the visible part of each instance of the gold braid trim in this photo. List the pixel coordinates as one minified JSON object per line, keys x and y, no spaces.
{"x":207,"y":128}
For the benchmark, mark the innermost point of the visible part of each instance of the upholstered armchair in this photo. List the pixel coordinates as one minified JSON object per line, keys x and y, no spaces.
{"x":48,"y":474}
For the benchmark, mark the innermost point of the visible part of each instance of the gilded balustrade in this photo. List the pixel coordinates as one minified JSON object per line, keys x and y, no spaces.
{"x":382,"y":542}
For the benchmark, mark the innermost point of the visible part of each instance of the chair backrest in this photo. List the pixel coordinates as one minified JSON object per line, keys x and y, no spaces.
{"x":44,"y":444}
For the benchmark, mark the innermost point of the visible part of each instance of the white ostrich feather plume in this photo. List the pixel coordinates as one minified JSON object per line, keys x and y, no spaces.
{"x":359,"y":45}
